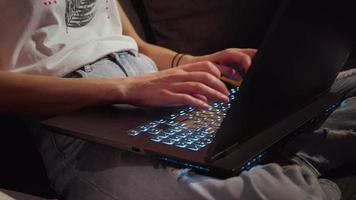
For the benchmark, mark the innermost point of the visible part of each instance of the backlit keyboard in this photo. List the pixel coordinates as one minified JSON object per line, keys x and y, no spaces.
{"x":188,"y":128}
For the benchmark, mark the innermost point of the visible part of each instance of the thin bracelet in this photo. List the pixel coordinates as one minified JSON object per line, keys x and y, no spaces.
{"x":174,"y":58}
{"x":179,"y":59}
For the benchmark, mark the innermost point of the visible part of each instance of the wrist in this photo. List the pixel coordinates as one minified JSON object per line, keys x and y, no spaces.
{"x":187,"y":59}
{"x":182,"y":59}
{"x":114,"y":90}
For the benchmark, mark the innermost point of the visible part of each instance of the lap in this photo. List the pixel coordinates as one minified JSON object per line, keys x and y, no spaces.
{"x":94,"y":171}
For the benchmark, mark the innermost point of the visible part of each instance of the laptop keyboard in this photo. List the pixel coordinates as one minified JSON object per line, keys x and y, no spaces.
{"x":189,"y":128}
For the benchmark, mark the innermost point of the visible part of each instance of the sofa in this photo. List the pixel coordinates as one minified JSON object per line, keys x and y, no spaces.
{"x":188,"y":26}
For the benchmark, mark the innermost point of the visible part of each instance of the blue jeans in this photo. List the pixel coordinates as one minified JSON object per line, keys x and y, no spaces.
{"x":84,"y":170}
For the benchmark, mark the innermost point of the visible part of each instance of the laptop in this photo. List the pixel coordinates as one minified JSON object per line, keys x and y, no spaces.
{"x":285,"y":91}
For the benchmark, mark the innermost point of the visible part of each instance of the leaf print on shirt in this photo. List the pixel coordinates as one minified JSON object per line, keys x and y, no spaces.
{"x":79,"y":12}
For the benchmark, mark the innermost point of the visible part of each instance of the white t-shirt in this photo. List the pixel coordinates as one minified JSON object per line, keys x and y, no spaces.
{"x":55,"y":37}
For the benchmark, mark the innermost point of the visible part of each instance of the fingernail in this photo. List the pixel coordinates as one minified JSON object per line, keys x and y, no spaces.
{"x":235,"y":75}
{"x":206,"y":106}
{"x":226,"y":98}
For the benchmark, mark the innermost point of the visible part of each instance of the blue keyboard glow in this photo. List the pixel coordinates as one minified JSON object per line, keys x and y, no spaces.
{"x":188,"y":128}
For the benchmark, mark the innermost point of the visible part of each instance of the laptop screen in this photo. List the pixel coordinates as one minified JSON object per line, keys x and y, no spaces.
{"x":298,"y":60}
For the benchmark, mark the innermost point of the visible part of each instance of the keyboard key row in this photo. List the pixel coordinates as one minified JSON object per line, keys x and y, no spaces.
{"x":189,"y":128}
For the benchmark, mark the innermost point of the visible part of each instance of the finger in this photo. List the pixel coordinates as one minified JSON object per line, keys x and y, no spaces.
{"x":201,"y":97}
{"x":192,"y":88}
{"x":230,"y":72}
{"x":201,"y":77}
{"x":236,"y":58}
{"x":205,"y":66}
{"x":236,"y":83}
{"x":241,"y":61}
{"x":186,"y":99}
{"x":250,"y":52}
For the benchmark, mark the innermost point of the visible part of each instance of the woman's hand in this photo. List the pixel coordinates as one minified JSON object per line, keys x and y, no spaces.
{"x":232,"y":63}
{"x":191,"y":84}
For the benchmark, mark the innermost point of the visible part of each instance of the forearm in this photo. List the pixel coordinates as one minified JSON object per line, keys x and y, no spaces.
{"x":22,"y":94}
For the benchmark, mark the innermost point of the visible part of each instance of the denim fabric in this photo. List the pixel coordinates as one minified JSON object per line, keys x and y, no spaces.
{"x":120,"y":64}
{"x":83,"y":170}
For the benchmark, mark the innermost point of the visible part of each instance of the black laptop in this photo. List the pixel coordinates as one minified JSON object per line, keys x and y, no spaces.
{"x":286,"y":90}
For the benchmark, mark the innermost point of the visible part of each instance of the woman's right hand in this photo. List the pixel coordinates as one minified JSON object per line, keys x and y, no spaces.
{"x":192,"y":84}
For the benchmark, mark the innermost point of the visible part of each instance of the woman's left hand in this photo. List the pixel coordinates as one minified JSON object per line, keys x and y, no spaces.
{"x":232,"y":63}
